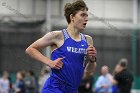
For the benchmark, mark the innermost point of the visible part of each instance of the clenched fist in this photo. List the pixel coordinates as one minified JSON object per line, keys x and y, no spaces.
{"x":56,"y":64}
{"x":91,"y":52}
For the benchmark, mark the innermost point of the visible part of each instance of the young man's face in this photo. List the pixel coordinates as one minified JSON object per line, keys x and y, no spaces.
{"x":5,"y":75}
{"x":104,"y":70}
{"x":118,"y":68}
{"x":80,"y":19}
{"x":19,"y":76}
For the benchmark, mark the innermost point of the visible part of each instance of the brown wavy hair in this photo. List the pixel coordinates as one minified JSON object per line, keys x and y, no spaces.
{"x":73,"y":8}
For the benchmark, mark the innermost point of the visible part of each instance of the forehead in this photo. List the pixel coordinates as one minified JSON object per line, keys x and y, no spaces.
{"x":105,"y":67}
{"x":118,"y":65}
{"x":82,"y":11}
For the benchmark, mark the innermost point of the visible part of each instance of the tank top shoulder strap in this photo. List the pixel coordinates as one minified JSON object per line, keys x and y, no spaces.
{"x":65,"y":33}
{"x":83,"y":37}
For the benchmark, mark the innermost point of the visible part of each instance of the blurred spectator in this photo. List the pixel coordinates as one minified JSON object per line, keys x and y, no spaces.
{"x":103,"y":85}
{"x":114,"y":89}
{"x":31,"y":82}
{"x":45,"y":74}
{"x":4,"y":83}
{"x":123,"y":78}
{"x":20,"y":84}
{"x":10,"y":85}
{"x":86,"y":84}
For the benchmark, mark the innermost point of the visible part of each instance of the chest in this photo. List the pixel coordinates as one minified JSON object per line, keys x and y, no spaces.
{"x":4,"y":83}
{"x":75,"y":47}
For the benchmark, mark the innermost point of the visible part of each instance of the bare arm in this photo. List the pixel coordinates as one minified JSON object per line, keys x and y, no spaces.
{"x":112,"y":80}
{"x":47,"y":40}
{"x":91,"y":54}
{"x":0,"y":87}
{"x":1,"y":90}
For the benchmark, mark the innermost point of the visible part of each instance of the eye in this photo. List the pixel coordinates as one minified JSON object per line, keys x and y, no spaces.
{"x":84,"y":14}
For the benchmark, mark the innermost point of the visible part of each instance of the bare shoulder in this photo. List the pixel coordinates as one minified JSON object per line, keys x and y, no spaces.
{"x":89,"y":39}
{"x":88,"y":36}
{"x":57,"y":33}
{"x":54,"y":35}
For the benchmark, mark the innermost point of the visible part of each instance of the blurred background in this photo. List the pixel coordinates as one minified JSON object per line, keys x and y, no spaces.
{"x":113,"y":24}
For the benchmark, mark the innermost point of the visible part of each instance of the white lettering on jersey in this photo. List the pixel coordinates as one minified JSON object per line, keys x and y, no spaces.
{"x":77,"y":50}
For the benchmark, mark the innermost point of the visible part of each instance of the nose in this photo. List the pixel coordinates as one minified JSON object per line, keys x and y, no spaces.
{"x":86,"y":18}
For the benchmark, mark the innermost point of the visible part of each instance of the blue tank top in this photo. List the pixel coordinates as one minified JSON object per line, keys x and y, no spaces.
{"x":74,"y":53}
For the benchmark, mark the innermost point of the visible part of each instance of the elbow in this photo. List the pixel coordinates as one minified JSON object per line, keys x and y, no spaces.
{"x":114,"y":82}
{"x":28,"y":50}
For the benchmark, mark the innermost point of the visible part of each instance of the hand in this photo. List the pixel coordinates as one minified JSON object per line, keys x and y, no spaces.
{"x":109,"y":76}
{"x":3,"y":91}
{"x":104,"y":85}
{"x":87,"y":85}
{"x":56,"y":64}
{"x":91,"y":52}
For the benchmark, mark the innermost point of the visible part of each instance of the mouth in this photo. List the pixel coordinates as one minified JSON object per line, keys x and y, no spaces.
{"x":84,"y":24}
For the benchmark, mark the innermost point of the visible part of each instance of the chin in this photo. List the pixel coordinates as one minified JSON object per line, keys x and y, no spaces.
{"x":82,"y":29}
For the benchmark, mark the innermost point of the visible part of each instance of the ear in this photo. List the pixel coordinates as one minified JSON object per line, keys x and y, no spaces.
{"x":71,"y":17}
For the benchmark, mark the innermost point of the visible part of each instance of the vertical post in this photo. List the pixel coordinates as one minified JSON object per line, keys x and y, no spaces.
{"x":60,"y":7}
{"x":134,"y":50}
{"x":33,"y":7}
{"x":134,"y":38}
{"x":48,"y":22}
{"x":18,"y":5}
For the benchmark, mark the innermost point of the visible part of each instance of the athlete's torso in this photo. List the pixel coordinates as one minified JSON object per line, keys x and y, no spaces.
{"x":73,"y":53}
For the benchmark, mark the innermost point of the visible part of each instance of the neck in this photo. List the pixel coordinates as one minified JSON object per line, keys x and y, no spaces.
{"x":73,"y":32}
{"x":104,"y":74}
{"x":4,"y":78}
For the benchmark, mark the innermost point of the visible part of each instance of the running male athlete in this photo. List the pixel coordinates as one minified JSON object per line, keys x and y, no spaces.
{"x":72,"y":52}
